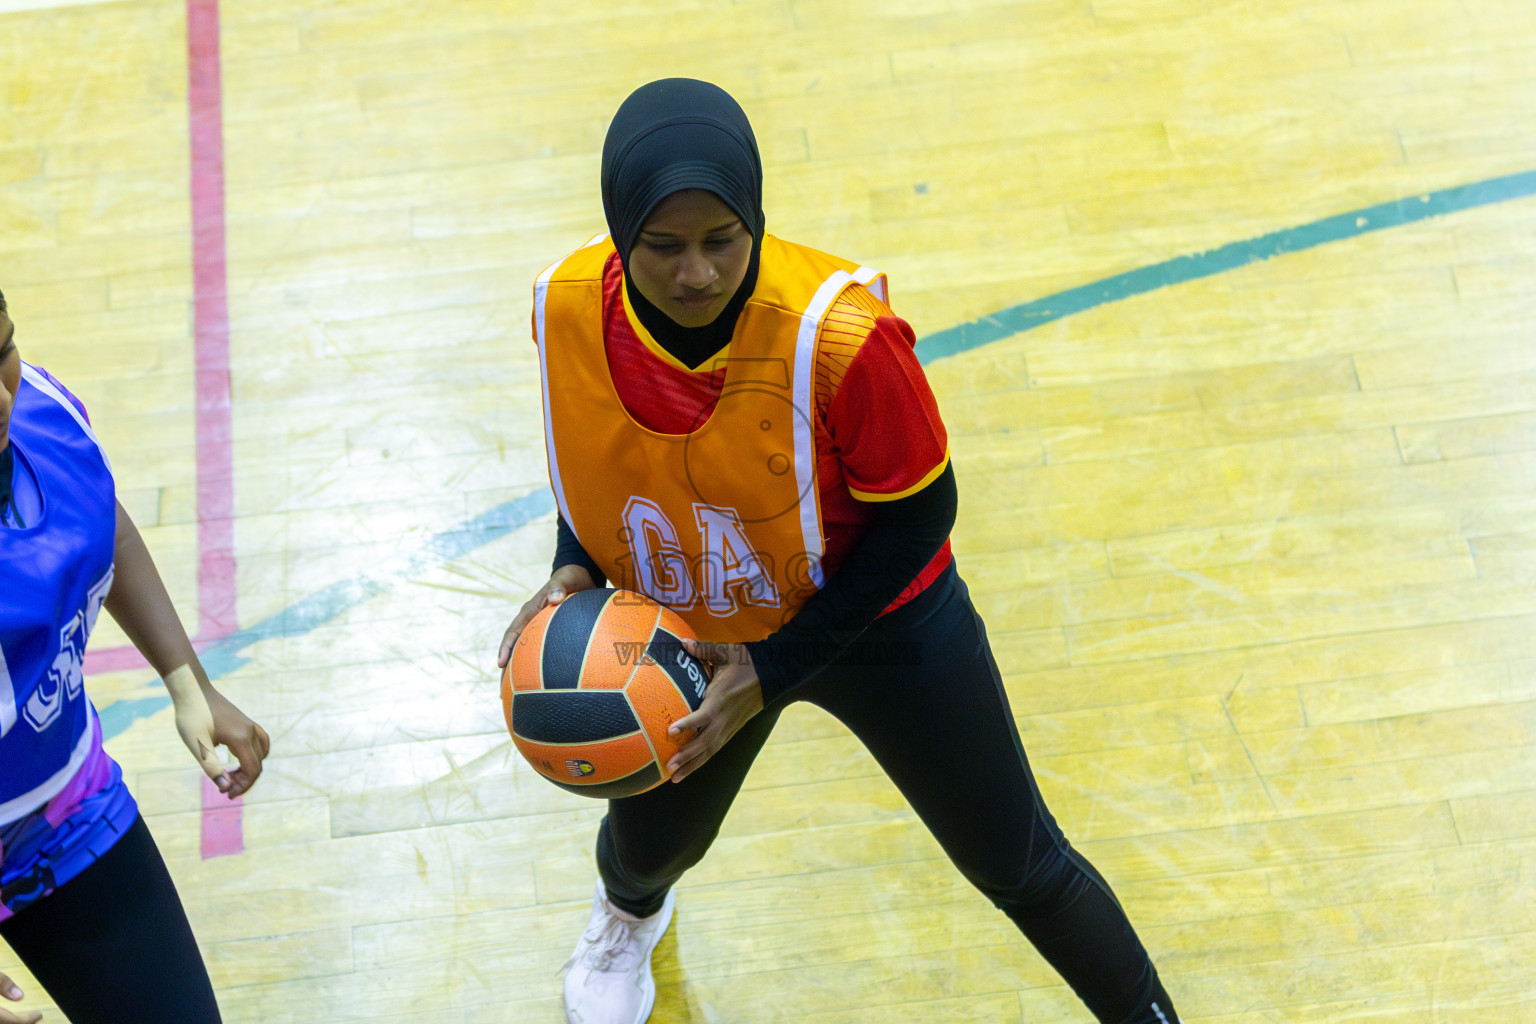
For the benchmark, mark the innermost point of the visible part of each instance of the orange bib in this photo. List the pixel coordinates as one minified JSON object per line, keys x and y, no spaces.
{"x":721,"y":524}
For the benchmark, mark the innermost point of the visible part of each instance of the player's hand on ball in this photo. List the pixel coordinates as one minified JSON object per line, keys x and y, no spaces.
{"x":732,"y":697}
{"x":9,"y":989}
{"x":567,"y":580}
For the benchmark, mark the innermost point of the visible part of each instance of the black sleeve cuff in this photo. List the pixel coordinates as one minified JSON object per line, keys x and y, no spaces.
{"x":568,"y":551}
{"x":903,"y":538}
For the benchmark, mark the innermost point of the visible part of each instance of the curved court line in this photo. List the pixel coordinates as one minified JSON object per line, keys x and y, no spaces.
{"x":1017,"y":319}
{"x":223,"y":655}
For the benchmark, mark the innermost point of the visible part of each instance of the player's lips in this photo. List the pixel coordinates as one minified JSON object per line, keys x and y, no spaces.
{"x":695,"y":301}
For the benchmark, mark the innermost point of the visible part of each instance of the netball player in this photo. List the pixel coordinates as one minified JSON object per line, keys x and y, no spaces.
{"x":85,"y":899}
{"x":738,"y":427}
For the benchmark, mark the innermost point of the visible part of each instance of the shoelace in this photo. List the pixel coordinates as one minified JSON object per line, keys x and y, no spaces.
{"x":604,"y":947}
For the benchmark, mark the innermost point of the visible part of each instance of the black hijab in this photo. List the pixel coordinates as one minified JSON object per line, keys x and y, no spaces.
{"x":671,"y":135}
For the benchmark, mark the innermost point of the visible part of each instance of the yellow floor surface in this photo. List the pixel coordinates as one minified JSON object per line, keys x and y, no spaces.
{"x":1255,"y":544}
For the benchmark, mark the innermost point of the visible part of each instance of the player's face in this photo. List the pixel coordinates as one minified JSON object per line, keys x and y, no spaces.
{"x":10,"y":376}
{"x":691,"y":256}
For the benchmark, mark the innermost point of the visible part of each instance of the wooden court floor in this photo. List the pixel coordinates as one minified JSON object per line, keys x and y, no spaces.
{"x":1254,"y":533}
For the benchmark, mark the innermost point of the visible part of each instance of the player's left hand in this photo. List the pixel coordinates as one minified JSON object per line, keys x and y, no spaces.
{"x":732,"y":697}
{"x":206,"y":719}
{"x":245,"y":739}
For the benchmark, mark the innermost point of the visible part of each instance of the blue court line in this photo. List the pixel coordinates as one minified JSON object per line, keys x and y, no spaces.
{"x":223,"y":657}
{"x":1017,"y":319}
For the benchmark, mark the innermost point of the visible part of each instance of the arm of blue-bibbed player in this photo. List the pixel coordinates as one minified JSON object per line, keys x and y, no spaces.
{"x":205,"y":719}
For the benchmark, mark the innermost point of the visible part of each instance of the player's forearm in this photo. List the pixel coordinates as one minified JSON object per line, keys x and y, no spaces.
{"x":140,"y":605}
{"x":904,"y":538}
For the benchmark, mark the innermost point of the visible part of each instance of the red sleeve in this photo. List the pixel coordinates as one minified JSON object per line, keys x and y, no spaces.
{"x":884,"y":419}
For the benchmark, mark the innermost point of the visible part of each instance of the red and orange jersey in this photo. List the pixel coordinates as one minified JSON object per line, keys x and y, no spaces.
{"x":747,"y":479}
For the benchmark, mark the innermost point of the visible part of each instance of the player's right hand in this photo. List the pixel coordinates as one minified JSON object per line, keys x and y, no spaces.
{"x":12,"y":991}
{"x":567,"y":580}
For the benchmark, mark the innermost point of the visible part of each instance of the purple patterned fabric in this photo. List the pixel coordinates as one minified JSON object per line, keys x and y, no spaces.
{"x":45,"y":849}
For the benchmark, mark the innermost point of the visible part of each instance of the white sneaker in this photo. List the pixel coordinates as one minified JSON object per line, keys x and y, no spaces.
{"x":608,"y":978}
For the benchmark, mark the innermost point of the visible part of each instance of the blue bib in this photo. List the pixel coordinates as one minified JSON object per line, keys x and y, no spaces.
{"x":54,"y":576}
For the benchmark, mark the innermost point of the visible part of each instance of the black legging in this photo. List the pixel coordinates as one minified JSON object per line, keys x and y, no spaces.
{"x":113,"y":943}
{"x":923,"y":694}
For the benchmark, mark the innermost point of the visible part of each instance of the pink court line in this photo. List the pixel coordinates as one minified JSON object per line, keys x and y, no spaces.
{"x":210,"y":327}
{"x":222,"y":830}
